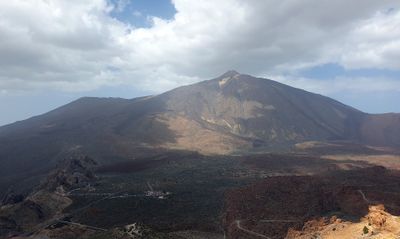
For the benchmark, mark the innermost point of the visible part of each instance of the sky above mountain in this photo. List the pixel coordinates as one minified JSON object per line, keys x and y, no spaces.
{"x":53,"y":51}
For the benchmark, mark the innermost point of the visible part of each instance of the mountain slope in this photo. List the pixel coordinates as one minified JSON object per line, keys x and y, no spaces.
{"x":233,"y":113}
{"x":263,"y":110}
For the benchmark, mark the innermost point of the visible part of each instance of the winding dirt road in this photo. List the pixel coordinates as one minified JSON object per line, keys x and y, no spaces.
{"x":239,"y":226}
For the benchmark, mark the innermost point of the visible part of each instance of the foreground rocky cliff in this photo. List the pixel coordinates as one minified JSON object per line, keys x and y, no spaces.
{"x":338,"y":205}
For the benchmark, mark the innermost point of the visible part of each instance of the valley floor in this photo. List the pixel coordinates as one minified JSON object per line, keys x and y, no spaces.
{"x":187,"y":195}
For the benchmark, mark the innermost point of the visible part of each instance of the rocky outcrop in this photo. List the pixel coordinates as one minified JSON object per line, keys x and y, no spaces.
{"x":46,"y":204}
{"x":71,"y":173}
{"x":10,"y":197}
{"x":378,"y":223}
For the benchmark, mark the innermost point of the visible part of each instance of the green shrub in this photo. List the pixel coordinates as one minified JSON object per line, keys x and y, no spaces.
{"x":365,"y":230}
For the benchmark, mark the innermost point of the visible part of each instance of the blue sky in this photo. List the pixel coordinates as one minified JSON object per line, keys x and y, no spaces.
{"x":137,"y":12}
{"x":131,"y":48}
{"x":332,"y":70}
{"x":367,"y":101}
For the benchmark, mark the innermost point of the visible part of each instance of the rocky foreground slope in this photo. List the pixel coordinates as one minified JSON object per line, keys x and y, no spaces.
{"x":31,"y":215}
{"x":377,"y":224}
{"x":360,"y":203}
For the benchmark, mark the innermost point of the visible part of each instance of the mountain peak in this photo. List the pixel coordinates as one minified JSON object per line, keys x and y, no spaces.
{"x":227,"y":76}
{"x":230,"y":73}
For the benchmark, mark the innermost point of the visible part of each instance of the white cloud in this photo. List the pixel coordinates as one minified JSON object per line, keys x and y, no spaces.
{"x":375,"y":43}
{"x":343,"y":85}
{"x":77,"y":46}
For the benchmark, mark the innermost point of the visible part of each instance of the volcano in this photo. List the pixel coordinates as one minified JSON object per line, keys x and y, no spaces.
{"x":231,"y":114}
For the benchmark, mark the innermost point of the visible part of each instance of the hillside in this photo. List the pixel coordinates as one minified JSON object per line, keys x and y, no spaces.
{"x":333,"y":205}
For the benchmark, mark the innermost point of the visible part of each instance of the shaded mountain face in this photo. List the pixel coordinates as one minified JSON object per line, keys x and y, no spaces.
{"x":230,"y":114}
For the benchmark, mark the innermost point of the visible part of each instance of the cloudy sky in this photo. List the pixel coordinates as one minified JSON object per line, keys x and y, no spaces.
{"x":54,"y":51}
